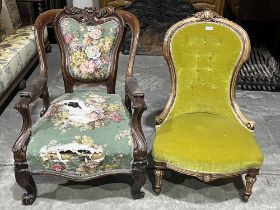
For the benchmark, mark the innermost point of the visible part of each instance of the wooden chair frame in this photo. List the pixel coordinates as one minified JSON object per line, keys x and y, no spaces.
{"x":134,"y":98}
{"x":206,"y":16}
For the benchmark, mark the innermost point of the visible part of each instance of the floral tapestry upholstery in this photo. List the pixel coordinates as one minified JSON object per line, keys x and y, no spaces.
{"x":89,"y":48}
{"x":15,"y":52}
{"x":82,"y":134}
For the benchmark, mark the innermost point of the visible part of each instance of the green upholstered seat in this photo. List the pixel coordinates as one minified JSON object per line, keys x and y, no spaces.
{"x":82,"y":134}
{"x":206,"y":143}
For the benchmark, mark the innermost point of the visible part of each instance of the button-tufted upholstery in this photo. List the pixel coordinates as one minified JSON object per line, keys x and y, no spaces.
{"x":201,"y":131}
{"x":204,"y":62}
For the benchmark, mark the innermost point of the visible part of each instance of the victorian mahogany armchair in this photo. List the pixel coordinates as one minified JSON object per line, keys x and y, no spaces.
{"x":83,"y":135}
{"x":201,"y":131}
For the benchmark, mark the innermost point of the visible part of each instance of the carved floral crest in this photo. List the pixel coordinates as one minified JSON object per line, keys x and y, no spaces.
{"x":207,"y":15}
{"x":89,"y":14}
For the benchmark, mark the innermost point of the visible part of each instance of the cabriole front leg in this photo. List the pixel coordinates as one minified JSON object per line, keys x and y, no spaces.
{"x":22,"y":173}
{"x":26,"y":181}
{"x":139,"y":178}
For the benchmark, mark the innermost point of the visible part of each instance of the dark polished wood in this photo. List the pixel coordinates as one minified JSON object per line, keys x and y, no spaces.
{"x":26,"y":181}
{"x":133,"y":96}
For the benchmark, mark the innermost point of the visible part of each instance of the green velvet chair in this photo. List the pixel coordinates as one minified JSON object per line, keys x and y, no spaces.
{"x":87,"y":134}
{"x":201,"y":131}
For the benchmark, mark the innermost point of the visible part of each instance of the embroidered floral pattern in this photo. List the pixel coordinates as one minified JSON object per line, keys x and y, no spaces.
{"x":93,"y":112}
{"x":89,"y":48}
{"x":81,"y":155}
{"x":125,"y":133}
{"x":82,"y":134}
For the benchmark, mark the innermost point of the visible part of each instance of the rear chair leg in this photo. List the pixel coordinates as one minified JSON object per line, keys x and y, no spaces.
{"x":158,"y":181}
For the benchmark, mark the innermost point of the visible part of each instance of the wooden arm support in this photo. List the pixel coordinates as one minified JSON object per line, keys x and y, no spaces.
{"x":35,"y":89}
{"x":132,"y":88}
{"x":135,"y":98}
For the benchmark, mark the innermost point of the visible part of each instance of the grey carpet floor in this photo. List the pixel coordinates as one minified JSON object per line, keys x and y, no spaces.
{"x":178,"y":192}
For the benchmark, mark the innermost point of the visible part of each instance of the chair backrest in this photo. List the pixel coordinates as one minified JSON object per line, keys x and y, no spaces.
{"x":204,"y":53}
{"x":89,"y":41}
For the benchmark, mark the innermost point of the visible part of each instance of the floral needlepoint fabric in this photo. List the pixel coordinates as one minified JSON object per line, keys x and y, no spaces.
{"x":89,"y":48}
{"x":82,"y":134}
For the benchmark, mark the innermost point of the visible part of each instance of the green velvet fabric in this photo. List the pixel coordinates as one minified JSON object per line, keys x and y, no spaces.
{"x":201,"y":132}
{"x":82,"y":134}
{"x":206,"y":143}
{"x":89,"y":48}
{"x":204,"y":61}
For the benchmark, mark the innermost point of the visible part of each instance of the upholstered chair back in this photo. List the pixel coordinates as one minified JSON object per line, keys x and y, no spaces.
{"x":89,"y":48}
{"x":89,"y":45}
{"x":205,"y":54}
{"x":89,"y":40}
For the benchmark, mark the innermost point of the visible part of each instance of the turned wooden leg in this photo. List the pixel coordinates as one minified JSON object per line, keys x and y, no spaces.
{"x":139,"y":179}
{"x":250,"y":180}
{"x":158,"y":181}
{"x":25,"y":180}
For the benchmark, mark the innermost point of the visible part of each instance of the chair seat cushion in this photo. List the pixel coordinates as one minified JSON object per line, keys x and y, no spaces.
{"x":206,"y":143}
{"x":82,"y":134}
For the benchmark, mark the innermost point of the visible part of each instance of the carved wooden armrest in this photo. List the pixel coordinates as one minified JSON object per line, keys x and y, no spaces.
{"x":34,"y":90}
{"x":135,"y":97}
